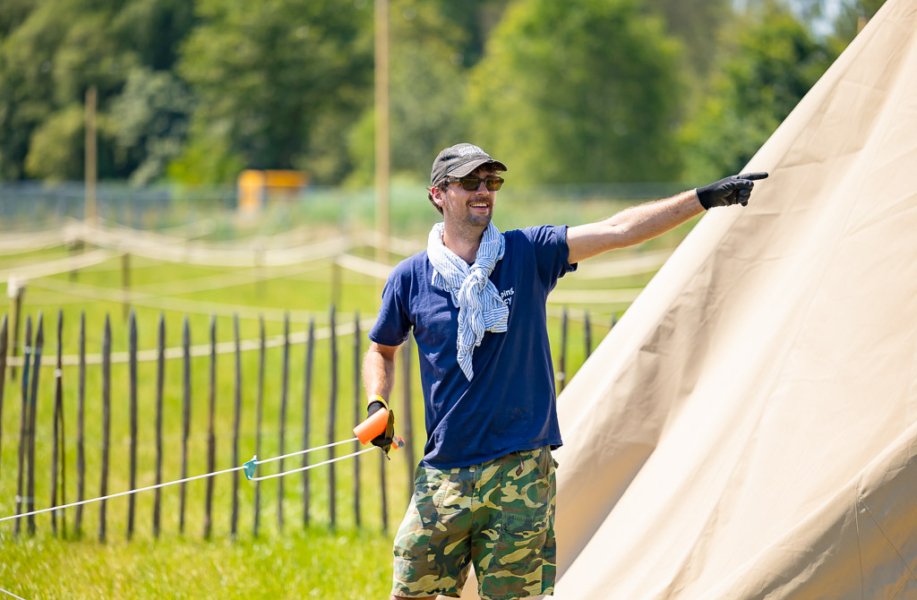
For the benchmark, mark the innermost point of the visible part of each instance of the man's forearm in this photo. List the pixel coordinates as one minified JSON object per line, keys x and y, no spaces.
{"x":378,"y":374}
{"x":632,"y":226}
{"x":643,"y":222}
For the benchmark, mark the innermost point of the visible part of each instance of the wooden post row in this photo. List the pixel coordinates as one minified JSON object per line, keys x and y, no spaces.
{"x":260,"y":411}
{"x":211,"y":432}
{"x":332,"y":410}
{"x":284,"y":378}
{"x":33,"y":410}
{"x":58,"y":461}
{"x":106,"y":421}
{"x":81,"y":430}
{"x":23,"y":421}
{"x":132,"y":397}
{"x":16,"y":291}
{"x":160,"y":382}
{"x":236,"y":426}
{"x":186,"y":417}
{"x":307,"y":417}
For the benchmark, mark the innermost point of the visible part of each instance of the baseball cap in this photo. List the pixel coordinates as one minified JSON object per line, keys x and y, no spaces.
{"x":460,"y":160}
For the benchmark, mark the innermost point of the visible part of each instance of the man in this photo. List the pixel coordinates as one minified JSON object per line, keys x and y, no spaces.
{"x":484,"y":490}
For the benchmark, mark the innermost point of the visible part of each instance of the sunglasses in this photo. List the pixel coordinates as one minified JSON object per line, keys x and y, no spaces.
{"x":471,"y":183}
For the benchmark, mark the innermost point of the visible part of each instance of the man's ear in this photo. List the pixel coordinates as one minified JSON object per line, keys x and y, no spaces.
{"x":437,"y":194}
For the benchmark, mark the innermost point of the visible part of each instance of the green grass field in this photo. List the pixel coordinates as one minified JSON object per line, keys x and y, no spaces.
{"x":314,"y":561}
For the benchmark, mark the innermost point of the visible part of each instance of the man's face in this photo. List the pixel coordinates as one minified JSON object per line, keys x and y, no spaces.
{"x":472,"y":209}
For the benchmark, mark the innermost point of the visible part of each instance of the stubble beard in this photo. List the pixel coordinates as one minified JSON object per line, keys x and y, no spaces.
{"x":470,"y":226}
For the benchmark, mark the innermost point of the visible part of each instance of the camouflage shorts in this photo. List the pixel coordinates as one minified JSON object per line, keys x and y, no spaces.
{"x":498,"y":515}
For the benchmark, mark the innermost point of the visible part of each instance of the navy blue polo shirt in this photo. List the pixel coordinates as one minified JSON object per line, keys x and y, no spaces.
{"x":509,"y":404}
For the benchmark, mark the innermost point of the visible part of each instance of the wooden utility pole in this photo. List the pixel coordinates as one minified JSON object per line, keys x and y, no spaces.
{"x":91,"y":158}
{"x":383,"y":158}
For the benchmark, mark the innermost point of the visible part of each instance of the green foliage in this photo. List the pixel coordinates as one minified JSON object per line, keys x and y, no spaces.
{"x":776,"y":62}
{"x":56,"y":150}
{"x":583,"y":91}
{"x":151,"y":117}
{"x":54,"y":52}
{"x":426,"y":92}
{"x":853,"y":15}
{"x":267,"y":72}
{"x":587,"y":91}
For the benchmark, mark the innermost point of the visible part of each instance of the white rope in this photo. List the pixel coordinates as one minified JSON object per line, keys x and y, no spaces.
{"x":11,"y":594}
{"x":204,"y":476}
{"x":128,"y":493}
{"x":311,"y":466}
{"x":267,"y":460}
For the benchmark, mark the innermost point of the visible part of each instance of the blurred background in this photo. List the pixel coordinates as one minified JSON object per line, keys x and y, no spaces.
{"x":585,"y":99}
{"x":201,"y":199}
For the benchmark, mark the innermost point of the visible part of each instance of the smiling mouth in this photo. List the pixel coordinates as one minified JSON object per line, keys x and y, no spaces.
{"x":479,"y":205}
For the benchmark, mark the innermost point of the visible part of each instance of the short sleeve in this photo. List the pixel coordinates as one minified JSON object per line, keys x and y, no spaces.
{"x":551,"y":252}
{"x":394,"y":324}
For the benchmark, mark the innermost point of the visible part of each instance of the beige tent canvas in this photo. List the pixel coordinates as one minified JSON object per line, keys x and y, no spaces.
{"x":749,"y":429}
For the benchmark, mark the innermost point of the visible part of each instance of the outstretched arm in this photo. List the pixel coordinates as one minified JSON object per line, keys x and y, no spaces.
{"x":631,"y":226}
{"x":644,"y":222}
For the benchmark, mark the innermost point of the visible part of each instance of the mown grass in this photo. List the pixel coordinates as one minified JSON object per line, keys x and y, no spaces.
{"x":349,"y":560}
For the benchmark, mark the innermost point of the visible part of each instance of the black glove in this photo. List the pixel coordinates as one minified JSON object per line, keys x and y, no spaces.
{"x":383,"y":440}
{"x":729,"y":191}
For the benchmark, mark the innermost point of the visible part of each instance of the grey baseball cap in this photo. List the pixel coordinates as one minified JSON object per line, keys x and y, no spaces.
{"x":460,"y":160}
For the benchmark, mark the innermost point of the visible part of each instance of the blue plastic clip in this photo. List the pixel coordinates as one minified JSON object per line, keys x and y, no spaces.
{"x":250,"y":467}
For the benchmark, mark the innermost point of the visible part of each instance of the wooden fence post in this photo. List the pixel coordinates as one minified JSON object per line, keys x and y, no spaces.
{"x":23,"y":421}
{"x":33,"y":411}
{"x":357,"y":413}
{"x":186,"y":417}
{"x":285,"y":377}
{"x":58,"y":448}
{"x":16,"y":291}
{"x":236,"y":426}
{"x":562,"y":372}
{"x":211,"y":431}
{"x":160,"y":383}
{"x":332,"y":409}
{"x":260,"y":410}
{"x":307,"y":417}
{"x":106,"y":421}
{"x":3,"y":342}
{"x":588,"y":334}
{"x":407,"y":419}
{"x":81,"y":430}
{"x":132,"y":382}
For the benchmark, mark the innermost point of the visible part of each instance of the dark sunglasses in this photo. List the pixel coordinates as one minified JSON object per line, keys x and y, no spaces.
{"x":471,"y":183}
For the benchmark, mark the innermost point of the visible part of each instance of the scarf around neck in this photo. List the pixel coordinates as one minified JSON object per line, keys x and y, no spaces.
{"x":472,"y":291}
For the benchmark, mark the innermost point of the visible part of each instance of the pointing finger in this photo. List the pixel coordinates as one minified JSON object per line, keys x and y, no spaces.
{"x":753,"y":176}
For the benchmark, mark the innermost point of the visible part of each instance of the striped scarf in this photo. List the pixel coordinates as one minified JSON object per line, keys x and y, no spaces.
{"x":476,"y":297}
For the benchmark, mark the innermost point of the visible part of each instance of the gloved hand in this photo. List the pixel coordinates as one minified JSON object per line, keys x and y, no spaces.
{"x":383,"y":440}
{"x":726,"y":192}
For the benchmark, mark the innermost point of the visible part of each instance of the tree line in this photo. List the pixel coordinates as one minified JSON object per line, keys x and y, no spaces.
{"x":583,"y":91}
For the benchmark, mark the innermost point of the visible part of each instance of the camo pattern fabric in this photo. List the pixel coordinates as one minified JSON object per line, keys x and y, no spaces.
{"x":498,"y":515}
